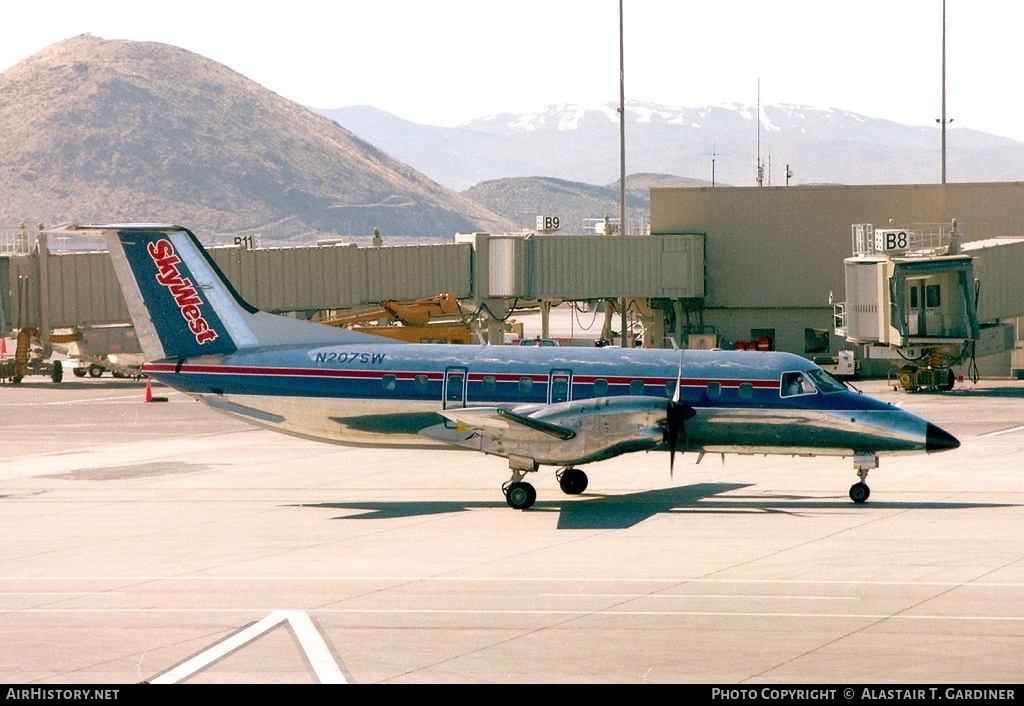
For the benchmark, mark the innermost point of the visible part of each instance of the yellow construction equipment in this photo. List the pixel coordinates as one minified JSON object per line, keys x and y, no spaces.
{"x":409,"y":321}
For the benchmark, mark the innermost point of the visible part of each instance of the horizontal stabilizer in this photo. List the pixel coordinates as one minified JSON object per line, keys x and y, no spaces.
{"x":219,"y":403}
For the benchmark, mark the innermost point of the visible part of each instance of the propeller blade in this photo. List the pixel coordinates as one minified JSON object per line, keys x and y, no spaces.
{"x":676,"y":414}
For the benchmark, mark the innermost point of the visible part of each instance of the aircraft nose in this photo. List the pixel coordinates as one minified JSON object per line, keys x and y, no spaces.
{"x":939,"y":440}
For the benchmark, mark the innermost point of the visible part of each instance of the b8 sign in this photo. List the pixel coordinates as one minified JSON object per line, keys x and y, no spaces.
{"x":893,"y":240}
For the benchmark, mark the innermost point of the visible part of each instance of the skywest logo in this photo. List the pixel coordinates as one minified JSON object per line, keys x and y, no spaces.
{"x":184,"y":293}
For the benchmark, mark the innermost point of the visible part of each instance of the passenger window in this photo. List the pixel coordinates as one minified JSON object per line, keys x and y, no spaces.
{"x":560,"y":388}
{"x":600,"y":387}
{"x":670,"y":388}
{"x":490,"y":384}
{"x":794,"y":383}
{"x":389,"y":381}
{"x":746,"y":390}
{"x":525,"y":385}
{"x":420,"y":383}
{"x":714,"y":390}
{"x":636,"y":387}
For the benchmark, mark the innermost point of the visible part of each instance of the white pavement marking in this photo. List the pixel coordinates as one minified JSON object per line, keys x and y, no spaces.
{"x":319,"y":656}
{"x":1005,"y":431}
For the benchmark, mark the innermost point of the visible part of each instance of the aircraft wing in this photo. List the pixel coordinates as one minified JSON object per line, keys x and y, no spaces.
{"x":507,"y":423}
{"x":558,"y":434}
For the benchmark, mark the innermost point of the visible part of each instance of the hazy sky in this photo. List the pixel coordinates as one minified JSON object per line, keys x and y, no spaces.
{"x":444,"y":62}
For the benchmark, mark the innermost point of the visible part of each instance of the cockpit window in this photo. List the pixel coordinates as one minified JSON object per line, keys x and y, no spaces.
{"x":825,"y":382}
{"x":794,"y":383}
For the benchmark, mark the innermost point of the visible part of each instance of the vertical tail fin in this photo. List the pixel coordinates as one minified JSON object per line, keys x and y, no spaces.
{"x":179,"y":301}
{"x":182,"y":306}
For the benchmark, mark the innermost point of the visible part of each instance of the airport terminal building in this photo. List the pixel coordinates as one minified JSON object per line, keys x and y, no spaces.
{"x":725,"y":267}
{"x":774,"y":255}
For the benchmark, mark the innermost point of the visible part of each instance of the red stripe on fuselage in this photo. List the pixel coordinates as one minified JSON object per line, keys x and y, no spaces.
{"x":412,"y":375}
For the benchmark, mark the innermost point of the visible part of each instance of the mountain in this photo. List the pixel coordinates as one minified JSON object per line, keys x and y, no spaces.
{"x":108,"y":131}
{"x":580,"y":207}
{"x":581,"y":143}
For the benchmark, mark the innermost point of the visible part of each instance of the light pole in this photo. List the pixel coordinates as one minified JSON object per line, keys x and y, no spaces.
{"x":942,"y":121}
{"x":622,"y":160}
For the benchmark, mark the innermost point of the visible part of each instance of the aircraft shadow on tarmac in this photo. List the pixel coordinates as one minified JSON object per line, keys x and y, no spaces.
{"x":111,"y":384}
{"x":1015,"y":392}
{"x":593,"y":511}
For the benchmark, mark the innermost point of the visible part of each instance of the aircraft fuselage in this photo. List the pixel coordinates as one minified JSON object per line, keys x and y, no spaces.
{"x":387,"y":394}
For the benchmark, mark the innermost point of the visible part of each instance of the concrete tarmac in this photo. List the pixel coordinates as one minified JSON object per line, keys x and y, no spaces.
{"x":163,"y":542}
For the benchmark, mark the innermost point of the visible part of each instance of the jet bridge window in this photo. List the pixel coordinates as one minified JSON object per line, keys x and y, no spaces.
{"x":794,"y":383}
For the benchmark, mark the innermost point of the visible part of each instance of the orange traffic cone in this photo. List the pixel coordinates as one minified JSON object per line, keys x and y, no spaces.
{"x":149,"y":393}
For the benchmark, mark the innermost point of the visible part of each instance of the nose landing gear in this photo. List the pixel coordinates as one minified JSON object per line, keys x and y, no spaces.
{"x":862,"y":463}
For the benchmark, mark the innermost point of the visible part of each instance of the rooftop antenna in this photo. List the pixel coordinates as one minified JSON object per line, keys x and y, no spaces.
{"x":760,"y":166}
{"x":714,"y":153}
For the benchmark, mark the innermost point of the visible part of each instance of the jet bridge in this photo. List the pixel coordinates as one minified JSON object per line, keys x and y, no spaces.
{"x":916,"y":295}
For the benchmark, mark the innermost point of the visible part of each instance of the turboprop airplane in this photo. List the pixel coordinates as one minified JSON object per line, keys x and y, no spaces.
{"x":549,"y":406}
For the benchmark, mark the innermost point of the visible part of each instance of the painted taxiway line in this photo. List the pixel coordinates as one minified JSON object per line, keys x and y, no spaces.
{"x":1011,"y":430}
{"x":310,"y":640}
{"x":618,"y":613}
{"x":966,"y":583}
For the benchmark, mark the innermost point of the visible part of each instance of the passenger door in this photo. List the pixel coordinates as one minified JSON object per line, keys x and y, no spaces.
{"x":454,"y":388}
{"x":559,"y":386}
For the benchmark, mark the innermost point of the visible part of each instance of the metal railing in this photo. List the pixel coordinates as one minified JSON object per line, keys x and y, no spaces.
{"x":916,"y":239}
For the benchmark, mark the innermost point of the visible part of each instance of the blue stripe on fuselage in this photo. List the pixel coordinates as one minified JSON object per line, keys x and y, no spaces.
{"x":417,"y":373}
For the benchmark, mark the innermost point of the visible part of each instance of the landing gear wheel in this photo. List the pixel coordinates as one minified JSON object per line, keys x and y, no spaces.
{"x":95,"y":370}
{"x":520,"y":496}
{"x":572,"y":481}
{"x":57,"y":374}
{"x":79,"y":372}
{"x":859,"y":492}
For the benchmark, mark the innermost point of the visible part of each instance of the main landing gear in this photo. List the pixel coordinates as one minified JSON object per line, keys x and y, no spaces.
{"x":521,"y":495}
{"x":863,"y":463}
{"x":572,"y":481}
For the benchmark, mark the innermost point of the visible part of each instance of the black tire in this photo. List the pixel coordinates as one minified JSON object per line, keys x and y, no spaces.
{"x":520,"y":496}
{"x":950,"y":381}
{"x":57,"y":374}
{"x":572,"y":481}
{"x":859,"y":493}
{"x":95,"y":370}
{"x":79,"y":372}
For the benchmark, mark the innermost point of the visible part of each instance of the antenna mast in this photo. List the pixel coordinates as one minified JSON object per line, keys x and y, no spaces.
{"x":760,"y":166}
